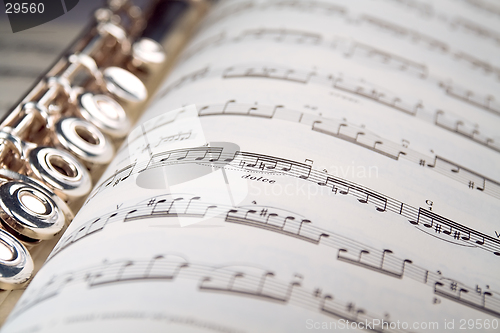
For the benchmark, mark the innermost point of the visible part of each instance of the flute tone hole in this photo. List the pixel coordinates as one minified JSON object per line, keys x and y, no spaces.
{"x":87,"y":135}
{"x":63,"y":167}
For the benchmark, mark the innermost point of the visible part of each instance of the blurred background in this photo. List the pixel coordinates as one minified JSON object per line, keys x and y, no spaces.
{"x":26,"y":55}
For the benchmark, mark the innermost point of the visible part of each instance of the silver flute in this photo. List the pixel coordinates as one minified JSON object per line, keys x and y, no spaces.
{"x":57,"y":141}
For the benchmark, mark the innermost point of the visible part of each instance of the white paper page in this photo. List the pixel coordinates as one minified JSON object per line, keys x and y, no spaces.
{"x":307,"y":166}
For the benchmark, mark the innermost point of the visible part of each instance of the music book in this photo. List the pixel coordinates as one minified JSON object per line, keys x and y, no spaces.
{"x":305,"y":166}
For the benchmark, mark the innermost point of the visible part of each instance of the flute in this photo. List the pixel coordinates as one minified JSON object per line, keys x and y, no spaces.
{"x":57,"y":141}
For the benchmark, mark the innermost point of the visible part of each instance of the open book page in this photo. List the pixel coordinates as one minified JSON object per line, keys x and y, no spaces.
{"x":308,"y":165}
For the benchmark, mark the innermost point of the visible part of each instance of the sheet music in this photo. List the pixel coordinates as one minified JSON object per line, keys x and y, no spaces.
{"x":307,"y":165}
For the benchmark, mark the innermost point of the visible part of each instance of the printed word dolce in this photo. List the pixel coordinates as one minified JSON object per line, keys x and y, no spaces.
{"x":259,"y":179}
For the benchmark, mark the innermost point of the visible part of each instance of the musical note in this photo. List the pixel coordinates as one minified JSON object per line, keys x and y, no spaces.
{"x":478,"y":63}
{"x":487,"y":8}
{"x":461,"y":294}
{"x":281,"y":35}
{"x":403,"y":64}
{"x":363,"y":195}
{"x":478,"y":30}
{"x":241,"y":283}
{"x":176,"y":137}
{"x":487,"y":103}
{"x":285,"y":74}
{"x":159,"y":267}
{"x":285,"y":225}
{"x":405,"y":32}
{"x":378,"y":268}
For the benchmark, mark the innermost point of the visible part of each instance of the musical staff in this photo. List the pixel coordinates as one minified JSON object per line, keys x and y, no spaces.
{"x":476,"y":63}
{"x":377,"y":268}
{"x":456,"y":23}
{"x":278,"y":221}
{"x":402,"y":32}
{"x":487,"y":8}
{"x":485,"y":102}
{"x":385,"y":26}
{"x":239,"y":282}
{"x":310,"y":6}
{"x":476,"y":29}
{"x":432,"y":44}
{"x":445,"y":229}
{"x":363,"y":89}
{"x":476,"y":299}
{"x":347,"y":47}
{"x":420,"y":8}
